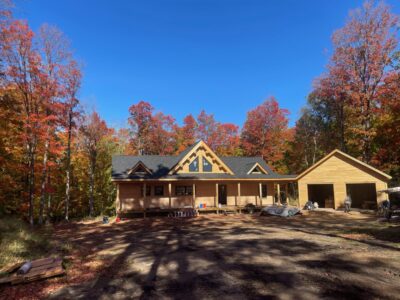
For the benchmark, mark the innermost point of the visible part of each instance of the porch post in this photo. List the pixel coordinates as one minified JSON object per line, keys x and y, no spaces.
{"x":286,"y":192}
{"x":239,"y":197}
{"x":278,"y":190}
{"x":260,"y":192}
{"x":256,"y":199}
{"x":194,"y":196}
{"x":216,"y":195}
{"x":144,"y":200}
{"x":119,"y":202}
{"x":169,"y":194}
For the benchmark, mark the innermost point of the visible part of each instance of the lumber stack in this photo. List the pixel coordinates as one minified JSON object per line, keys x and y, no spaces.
{"x":41,"y":269}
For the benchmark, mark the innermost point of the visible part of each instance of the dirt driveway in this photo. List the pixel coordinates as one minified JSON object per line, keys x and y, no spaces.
{"x":320,"y":255}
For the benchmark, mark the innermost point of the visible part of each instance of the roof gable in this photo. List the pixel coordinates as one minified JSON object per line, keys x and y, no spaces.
{"x":257,"y":169}
{"x":140,"y":167}
{"x":339,"y":153}
{"x":200,"y":149}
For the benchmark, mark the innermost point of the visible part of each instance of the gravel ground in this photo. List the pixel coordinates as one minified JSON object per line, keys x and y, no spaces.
{"x":327,"y":255}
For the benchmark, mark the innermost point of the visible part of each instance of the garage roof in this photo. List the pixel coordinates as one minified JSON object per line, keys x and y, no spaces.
{"x":337,"y":151}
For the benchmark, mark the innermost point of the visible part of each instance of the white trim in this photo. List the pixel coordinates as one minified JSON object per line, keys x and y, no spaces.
{"x":259,"y":166}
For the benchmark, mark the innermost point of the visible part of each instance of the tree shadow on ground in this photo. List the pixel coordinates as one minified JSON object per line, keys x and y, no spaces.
{"x":231,"y":257}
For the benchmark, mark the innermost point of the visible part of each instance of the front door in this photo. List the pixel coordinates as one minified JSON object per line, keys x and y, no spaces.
{"x":222,"y":194}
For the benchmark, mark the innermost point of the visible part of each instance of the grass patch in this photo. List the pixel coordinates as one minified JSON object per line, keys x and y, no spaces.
{"x":19,"y":242}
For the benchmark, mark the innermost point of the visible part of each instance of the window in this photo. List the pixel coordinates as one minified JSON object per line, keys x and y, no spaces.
{"x":148,"y":190}
{"x":256,"y":170}
{"x":183,"y":190}
{"x":194,"y":165}
{"x":207,"y":166}
{"x":264,"y":190}
{"x":140,"y":169}
{"x":159,"y":190}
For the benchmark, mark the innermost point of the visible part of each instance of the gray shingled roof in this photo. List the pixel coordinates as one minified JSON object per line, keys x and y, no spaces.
{"x":160,"y":166}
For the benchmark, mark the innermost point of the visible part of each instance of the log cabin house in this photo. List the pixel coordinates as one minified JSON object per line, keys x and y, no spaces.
{"x":198,"y":178}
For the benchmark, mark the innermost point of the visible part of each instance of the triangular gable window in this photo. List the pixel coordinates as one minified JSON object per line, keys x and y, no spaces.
{"x":140,"y":169}
{"x":257,"y":169}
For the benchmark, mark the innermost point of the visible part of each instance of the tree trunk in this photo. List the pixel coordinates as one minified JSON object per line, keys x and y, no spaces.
{"x":342,"y":127}
{"x":68,"y":171}
{"x":44,"y":179}
{"x":315,"y":149}
{"x":31,"y":165}
{"x":367,"y":138}
{"x":48,"y":207}
{"x":91,"y":197}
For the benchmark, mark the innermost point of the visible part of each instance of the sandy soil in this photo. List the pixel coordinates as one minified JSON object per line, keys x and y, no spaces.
{"x":326,"y":255}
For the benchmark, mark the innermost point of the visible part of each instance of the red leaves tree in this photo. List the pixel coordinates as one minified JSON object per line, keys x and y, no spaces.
{"x":223,"y":138}
{"x":228,"y":140}
{"x":152,"y":133}
{"x":265,"y":133}
{"x":140,"y":120}
{"x":40,"y":69}
{"x":387,"y":138}
{"x":186,"y":135}
{"x":22,"y":71}
{"x":363,"y":51}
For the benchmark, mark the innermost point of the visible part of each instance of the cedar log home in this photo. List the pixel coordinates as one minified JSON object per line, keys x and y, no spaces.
{"x":198,"y":178}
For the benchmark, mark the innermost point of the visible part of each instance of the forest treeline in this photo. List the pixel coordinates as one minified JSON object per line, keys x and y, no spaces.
{"x":55,"y":158}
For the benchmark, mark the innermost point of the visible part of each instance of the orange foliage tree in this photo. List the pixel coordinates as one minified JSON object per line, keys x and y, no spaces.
{"x":265,"y":133}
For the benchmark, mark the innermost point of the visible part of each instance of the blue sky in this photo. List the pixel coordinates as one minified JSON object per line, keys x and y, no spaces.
{"x":223,"y":56}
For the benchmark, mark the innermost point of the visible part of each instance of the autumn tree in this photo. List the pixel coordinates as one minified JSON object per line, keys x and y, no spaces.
{"x":93,"y":130}
{"x":227,"y":140}
{"x":363,"y":51}
{"x":23,"y":68}
{"x":207,"y":129}
{"x":71,"y":81}
{"x":387,"y":139}
{"x":265,"y":133}
{"x":223,"y":138}
{"x":140,"y":120}
{"x":153,"y":133}
{"x":162,"y":135}
{"x":186,"y":135}
{"x":56,"y":55}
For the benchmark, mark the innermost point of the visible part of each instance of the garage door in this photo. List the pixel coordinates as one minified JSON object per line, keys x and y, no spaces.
{"x":363,"y":195}
{"x":322,"y":194}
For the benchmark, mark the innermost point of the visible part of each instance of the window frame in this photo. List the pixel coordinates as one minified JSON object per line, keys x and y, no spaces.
{"x":198,"y":165}
{"x":148,"y":190}
{"x":157,"y":189}
{"x":264,"y":188}
{"x":185,"y":190}
{"x":209,"y":163}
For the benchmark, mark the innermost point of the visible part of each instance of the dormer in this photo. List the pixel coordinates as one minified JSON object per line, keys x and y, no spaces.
{"x":257,"y":169}
{"x":139,"y":169}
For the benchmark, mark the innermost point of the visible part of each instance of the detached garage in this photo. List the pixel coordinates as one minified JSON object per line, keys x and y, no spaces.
{"x":329,"y":181}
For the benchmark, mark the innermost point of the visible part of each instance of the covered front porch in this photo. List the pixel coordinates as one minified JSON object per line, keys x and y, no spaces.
{"x":202,"y":195}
